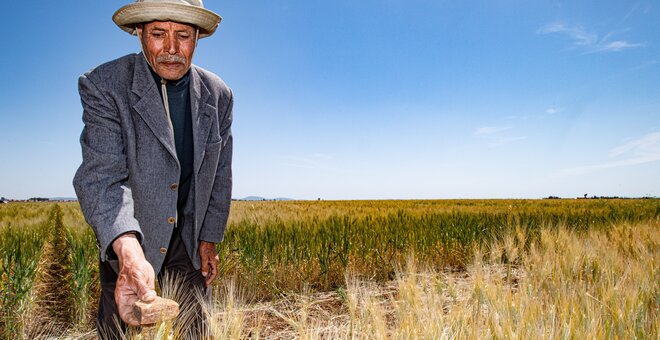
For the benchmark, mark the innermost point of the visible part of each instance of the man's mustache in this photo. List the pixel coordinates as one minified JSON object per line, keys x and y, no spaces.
{"x":170,"y":59}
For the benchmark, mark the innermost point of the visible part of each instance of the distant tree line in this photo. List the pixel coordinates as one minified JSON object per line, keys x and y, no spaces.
{"x":600,"y":197}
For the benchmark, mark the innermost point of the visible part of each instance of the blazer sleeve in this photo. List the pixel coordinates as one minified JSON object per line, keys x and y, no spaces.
{"x":101,"y":182}
{"x":217,"y":214}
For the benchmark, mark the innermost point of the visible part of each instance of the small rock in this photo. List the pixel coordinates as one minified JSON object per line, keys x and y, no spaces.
{"x":157,"y":311}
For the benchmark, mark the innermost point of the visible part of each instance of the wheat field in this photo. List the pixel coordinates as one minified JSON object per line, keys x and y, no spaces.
{"x":414,"y":269}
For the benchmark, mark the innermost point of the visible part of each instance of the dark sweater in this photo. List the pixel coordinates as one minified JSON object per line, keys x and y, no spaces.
{"x":178,"y":95}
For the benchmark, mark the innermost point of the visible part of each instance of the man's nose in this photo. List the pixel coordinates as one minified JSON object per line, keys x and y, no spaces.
{"x":171,"y":44}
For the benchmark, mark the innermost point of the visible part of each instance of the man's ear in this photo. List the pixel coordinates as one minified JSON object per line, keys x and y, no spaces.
{"x":138,"y":32}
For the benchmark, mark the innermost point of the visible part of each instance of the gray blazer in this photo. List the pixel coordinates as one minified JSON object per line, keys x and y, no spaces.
{"x":127,"y":181}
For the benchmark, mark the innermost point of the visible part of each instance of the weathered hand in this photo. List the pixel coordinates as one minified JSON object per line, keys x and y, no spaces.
{"x":136,"y":277}
{"x":210,"y":261}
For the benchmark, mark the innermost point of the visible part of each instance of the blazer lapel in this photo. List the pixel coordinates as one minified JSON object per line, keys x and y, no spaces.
{"x":202,"y":111}
{"x":150,"y":105}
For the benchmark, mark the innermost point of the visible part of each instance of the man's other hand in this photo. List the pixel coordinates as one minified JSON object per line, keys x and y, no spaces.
{"x":136,"y":277}
{"x":210,"y":261}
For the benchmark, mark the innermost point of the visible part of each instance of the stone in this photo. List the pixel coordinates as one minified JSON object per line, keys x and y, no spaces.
{"x":157,"y":311}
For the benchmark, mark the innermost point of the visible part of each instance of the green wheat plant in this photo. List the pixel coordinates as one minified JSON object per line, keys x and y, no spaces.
{"x":370,"y":269}
{"x":20,"y":248}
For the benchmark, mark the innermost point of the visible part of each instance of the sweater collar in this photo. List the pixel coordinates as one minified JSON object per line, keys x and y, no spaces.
{"x":175,"y":85}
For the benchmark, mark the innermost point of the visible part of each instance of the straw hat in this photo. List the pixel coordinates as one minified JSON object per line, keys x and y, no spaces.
{"x":184,"y":11}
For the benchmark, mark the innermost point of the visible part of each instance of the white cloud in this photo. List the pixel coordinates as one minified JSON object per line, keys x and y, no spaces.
{"x":581,"y":170}
{"x":587,"y":40}
{"x":552,"y":110}
{"x":616,"y":46}
{"x":495,"y":135}
{"x":490,"y":130}
{"x":647,"y":145}
{"x":579,"y":35}
{"x":645,"y":149}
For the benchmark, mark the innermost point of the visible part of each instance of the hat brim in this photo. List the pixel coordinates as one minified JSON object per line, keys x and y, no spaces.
{"x":130,"y":15}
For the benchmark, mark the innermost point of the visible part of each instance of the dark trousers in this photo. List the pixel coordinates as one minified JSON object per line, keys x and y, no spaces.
{"x":178,"y":267}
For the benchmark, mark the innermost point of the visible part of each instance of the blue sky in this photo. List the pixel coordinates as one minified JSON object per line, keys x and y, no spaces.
{"x":373,"y":99}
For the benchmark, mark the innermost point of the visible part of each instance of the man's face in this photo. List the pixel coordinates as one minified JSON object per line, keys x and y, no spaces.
{"x":169,"y":47}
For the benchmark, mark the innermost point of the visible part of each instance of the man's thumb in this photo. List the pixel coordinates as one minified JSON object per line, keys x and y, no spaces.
{"x":146,"y":294}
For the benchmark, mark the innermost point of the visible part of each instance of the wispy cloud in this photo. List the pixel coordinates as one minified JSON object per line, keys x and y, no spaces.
{"x":553,"y":110}
{"x":616,"y":46}
{"x":630,"y":13}
{"x":647,"y":145}
{"x":578,"y":34}
{"x":645,"y":149}
{"x":496,"y":135}
{"x":490,"y":130}
{"x":589,"y":41}
{"x":535,"y":115}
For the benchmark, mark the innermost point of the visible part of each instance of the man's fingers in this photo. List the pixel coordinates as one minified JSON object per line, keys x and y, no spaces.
{"x":128,"y":317}
{"x":209,"y":278}
{"x":213,"y":264}
{"x":144,"y":287}
{"x":135,"y":282}
{"x":210,"y":259}
{"x":205,"y":267}
{"x":124,"y":298}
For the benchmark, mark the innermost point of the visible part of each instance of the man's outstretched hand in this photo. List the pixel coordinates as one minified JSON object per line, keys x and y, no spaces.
{"x":136,"y":277}
{"x":210,"y":261}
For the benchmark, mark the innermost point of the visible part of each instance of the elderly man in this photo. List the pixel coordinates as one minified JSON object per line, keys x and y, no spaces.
{"x":155,"y":180}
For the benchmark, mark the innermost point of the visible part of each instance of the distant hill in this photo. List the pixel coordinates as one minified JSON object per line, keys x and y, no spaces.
{"x":252,"y":198}
{"x":259,"y":198}
{"x":62,"y":198}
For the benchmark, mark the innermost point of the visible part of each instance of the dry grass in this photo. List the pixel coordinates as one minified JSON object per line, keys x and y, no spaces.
{"x":595,"y":285}
{"x":569,"y":277}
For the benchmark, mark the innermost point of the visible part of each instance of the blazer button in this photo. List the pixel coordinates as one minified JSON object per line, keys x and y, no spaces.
{"x":174,"y":186}
{"x":171,"y":220}
{"x":163,"y":250}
